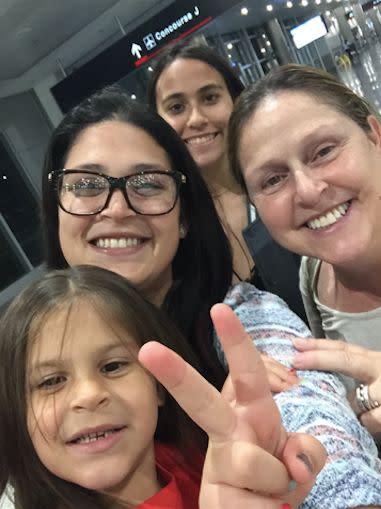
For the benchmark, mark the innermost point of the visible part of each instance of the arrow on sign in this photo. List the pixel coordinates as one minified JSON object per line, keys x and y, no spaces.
{"x":136,"y":50}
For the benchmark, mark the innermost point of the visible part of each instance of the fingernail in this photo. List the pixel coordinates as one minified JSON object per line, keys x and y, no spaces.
{"x":286,"y":506}
{"x":292,"y":371}
{"x":299,"y":341}
{"x":297,"y":360}
{"x":306,"y":460}
{"x":292,"y":486}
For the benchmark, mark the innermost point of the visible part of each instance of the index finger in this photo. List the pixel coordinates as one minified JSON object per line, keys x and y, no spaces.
{"x":245,"y":363}
{"x":249,"y":379}
{"x":200,"y":400}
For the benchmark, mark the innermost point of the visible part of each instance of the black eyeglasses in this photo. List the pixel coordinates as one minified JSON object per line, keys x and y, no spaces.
{"x":86,"y":193}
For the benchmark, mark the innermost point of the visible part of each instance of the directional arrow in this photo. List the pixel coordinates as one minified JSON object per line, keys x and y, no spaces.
{"x":136,"y":50}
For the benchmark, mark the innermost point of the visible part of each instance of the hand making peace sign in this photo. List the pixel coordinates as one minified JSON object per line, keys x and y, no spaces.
{"x":251,"y":459}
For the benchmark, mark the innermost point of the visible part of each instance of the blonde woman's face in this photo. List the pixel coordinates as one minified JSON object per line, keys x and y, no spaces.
{"x":314,"y":176}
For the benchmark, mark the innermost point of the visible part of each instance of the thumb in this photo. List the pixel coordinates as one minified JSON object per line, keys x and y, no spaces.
{"x":304,"y":456}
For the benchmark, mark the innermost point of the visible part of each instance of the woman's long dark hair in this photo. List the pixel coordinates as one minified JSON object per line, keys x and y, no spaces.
{"x":193,"y":51}
{"x":202,"y":267}
{"x":117,"y":303}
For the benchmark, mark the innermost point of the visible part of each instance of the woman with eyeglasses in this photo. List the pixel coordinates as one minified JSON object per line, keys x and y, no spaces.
{"x":121,"y":191}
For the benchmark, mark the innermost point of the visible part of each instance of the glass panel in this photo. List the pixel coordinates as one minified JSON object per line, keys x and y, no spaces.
{"x":11,"y":267}
{"x":19,"y":206}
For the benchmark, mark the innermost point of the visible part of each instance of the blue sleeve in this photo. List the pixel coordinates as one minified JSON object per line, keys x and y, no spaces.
{"x":317,"y":406}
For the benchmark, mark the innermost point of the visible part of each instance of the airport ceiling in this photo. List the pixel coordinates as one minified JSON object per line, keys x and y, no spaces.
{"x":55,"y":32}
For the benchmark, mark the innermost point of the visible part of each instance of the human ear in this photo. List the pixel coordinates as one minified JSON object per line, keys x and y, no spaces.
{"x":375,"y":130}
{"x":183,"y":230}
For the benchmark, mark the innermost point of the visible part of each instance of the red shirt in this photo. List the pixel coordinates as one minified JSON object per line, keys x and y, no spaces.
{"x":183,"y":481}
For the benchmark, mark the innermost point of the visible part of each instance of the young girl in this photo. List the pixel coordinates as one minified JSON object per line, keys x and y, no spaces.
{"x":84,"y":425}
{"x":82,"y":433}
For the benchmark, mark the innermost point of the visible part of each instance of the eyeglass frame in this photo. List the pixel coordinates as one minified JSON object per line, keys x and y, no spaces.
{"x":116,"y":183}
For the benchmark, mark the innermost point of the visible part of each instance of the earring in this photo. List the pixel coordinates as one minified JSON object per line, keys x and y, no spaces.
{"x":182,"y":231}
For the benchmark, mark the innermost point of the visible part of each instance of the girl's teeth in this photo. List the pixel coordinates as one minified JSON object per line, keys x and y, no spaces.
{"x":93,"y":437}
{"x":330,"y":218}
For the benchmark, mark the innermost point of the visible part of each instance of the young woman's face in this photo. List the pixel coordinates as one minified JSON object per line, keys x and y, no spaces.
{"x":92,"y":409}
{"x":140,"y":248}
{"x":314,"y":176}
{"x":193,"y":98}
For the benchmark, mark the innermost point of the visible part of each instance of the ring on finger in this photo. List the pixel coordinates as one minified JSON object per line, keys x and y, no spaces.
{"x":364,"y":400}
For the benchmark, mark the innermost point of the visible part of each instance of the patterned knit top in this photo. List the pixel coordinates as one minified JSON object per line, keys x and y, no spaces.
{"x":317,"y":406}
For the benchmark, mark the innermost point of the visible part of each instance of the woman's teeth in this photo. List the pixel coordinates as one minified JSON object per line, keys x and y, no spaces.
{"x":117,"y":243}
{"x":330,"y":218}
{"x":199,"y":140}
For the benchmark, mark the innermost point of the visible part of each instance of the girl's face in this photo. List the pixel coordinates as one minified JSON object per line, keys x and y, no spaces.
{"x":92,"y":409}
{"x":193,"y":98}
{"x":314,"y":176}
{"x":140,"y":248}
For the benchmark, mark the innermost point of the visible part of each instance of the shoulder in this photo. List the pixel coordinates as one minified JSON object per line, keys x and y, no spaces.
{"x":308,"y":266}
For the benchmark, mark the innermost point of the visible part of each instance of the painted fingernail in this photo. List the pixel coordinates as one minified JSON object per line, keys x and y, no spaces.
{"x":292,"y":486}
{"x":306,"y":460}
{"x":292,"y":371}
{"x":286,"y":506}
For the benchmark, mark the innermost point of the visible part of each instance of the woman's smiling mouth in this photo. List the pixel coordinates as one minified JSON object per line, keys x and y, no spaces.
{"x":201,"y":139}
{"x":117,"y":243}
{"x":329,"y":217}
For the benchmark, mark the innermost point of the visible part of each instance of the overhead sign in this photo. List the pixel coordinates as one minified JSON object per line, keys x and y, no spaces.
{"x":176,"y":21}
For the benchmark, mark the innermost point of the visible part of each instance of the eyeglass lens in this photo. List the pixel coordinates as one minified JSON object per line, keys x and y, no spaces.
{"x":148,"y":193}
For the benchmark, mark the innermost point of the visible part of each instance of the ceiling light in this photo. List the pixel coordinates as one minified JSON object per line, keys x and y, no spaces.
{"x":150,"y":69}
{"x":269,"y":7}
{"x":133,"y":96}
{"x":328,"y":1}
{"x":263,"y":50}
{"x":289,"y":4}
{"x":268,"y":43}
{"x":229,"y":45}
{"x":317,"y":2}
{"x":244,"y":11}
{"x":304,"y":3}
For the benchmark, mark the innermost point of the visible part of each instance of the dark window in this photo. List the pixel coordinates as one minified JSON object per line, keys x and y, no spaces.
{"x":11,"y":266}
{"x":19,"y":206}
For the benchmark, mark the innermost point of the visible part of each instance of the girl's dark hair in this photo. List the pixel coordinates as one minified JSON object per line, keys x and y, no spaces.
{"x":202,"y":266}
{"x":324,"y":87}
{"x":119,"y":304}
{"x":192,"y":51}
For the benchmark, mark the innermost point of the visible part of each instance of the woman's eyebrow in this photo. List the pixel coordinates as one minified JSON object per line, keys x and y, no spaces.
{"x":209,"y":87}
{"x":88,"y":166}
{"x":205,"y":88}
{"x":175,"y":95}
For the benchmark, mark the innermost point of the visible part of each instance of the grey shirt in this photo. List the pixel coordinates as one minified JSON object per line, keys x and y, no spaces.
{"x":363,"y":329}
